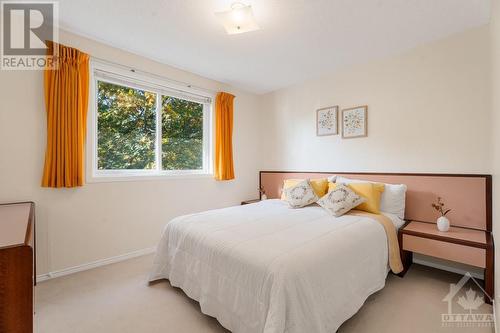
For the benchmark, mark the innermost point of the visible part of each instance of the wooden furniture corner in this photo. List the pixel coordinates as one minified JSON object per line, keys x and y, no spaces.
{"x":17,"y":267}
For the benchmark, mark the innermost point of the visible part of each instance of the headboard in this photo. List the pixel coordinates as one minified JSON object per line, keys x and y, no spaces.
{"x":468,"y":195}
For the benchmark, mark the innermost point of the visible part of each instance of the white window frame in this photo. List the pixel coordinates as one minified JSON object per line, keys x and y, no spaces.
{"x":101,"y":71}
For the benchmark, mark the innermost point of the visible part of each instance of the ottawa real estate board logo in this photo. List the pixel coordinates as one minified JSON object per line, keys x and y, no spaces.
{"x":467,"y":306}
{"x":26,"y":30}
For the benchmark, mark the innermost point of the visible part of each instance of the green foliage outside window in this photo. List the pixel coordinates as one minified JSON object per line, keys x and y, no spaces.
{"x":126,"y":126}
{"x":127,"y":130}
{"x":182,"y":134}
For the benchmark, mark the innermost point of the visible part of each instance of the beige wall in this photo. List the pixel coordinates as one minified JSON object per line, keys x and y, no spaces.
{"x":77,"y":226}
{"x":495,"y":93}
{"x":429,"y":111}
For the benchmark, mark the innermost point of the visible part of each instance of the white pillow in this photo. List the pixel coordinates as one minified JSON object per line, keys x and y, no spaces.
{"x":341,"y":200}
{"x":300,"y":195}
{"x":332,"y":179}
{"x":392,"y":199}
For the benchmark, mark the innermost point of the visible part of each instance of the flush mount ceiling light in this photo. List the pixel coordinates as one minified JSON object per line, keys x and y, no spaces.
{"x":238,"y":19}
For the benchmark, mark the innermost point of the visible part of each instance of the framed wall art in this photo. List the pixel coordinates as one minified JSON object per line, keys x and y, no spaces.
{"x":355,"y":122}
{"x":327,"y":121}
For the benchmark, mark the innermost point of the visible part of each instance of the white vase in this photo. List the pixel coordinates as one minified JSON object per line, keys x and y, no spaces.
{"x":263,"y":197}
{"x":443,"y":223}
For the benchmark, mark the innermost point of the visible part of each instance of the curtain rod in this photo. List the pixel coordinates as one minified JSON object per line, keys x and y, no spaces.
{"x":134,"y":70}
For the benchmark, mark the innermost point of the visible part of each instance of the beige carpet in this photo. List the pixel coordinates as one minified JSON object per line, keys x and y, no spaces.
{"x":117,"y":299}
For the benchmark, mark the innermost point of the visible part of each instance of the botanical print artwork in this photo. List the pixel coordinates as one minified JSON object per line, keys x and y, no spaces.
{"x":327,"y":121}
{"x":354,"y":122}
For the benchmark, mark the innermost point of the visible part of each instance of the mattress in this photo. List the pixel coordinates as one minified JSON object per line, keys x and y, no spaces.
{"x":269,"y":268}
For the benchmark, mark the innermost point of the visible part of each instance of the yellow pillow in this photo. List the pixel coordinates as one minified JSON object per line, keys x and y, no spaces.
{"x":370,"y":191}
{"x":320,"y":186}
{"x":331,"y":187}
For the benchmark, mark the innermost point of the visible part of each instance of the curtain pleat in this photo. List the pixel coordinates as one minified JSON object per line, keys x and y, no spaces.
{"x":224,"y":168}
{"x":66,"y":103}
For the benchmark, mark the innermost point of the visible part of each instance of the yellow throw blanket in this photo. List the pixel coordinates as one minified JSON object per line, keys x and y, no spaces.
{"x":392,"y":238}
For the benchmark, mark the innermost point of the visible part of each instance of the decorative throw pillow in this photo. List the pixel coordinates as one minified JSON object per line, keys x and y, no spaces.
{"x":320,"y":186}
{"x":340,"y":200}
{"x":370,"y":191}
{"x":392,"y":200}
{"x":300,"y":195}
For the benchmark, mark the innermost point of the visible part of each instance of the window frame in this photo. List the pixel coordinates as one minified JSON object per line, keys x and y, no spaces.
{"x":101,"y":71}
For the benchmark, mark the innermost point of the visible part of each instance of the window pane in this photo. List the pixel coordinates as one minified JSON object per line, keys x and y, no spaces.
{"x":126,"y":125}
{"x":182,"y":134}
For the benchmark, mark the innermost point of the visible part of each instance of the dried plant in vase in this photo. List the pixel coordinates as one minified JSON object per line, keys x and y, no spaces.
{"x":262,"y":193}
{"x":443,"y":224}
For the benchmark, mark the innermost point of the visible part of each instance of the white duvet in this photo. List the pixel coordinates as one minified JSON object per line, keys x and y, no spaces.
{"x":268,"y":268}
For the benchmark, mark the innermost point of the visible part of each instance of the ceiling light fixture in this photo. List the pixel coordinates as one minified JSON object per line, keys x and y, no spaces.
{"x":238,"y":19}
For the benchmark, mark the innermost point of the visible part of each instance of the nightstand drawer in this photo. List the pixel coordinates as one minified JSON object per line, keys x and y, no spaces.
{"x":456,"y":252}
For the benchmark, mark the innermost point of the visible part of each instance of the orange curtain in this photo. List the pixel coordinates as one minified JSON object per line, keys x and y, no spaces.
{"x":66,"y":103}
{"x":224,"y":169}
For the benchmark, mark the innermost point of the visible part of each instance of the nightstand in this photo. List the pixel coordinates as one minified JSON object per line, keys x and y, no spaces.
{"x":246,"y":202}
{"x":468,"y":246}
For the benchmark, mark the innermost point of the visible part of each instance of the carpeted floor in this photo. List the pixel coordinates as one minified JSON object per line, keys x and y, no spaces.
{"x":117,"y":299}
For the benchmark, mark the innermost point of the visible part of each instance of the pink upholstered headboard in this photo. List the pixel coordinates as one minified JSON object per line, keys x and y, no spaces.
{"x":469,"y":196}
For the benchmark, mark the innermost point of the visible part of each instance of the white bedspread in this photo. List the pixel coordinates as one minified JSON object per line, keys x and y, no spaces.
{"x":268,"y":268}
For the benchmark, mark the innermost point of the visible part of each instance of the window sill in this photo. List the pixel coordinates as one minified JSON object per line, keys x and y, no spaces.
{"x":110,"y":178}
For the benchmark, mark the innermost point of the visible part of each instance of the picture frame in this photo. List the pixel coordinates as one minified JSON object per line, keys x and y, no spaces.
{"x":327,"y":121}
{"x":355,"y":122}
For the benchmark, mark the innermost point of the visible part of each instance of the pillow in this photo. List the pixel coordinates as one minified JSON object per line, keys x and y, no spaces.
{"x":370,"y":191}
{"x":340,"y":200}
{"x":320,"y":186}
{"x":332,"y":179}
{"x":300,"y":195}
{"x":392,"y":200}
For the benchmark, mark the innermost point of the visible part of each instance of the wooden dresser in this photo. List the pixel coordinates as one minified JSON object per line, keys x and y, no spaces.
{"x":17,"y":267}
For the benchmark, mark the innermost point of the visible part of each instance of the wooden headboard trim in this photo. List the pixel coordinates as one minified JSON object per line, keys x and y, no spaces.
{"x":487,"y":188}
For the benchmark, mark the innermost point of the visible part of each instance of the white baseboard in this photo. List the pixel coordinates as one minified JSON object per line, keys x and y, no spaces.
{"x":138,"y":253}
{"x":94,"y":264}
{"x":457,"y":270}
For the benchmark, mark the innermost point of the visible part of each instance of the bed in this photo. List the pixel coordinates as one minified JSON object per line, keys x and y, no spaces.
{"x":265,"y":267}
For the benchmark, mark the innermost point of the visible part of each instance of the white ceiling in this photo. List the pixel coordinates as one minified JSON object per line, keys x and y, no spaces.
{"x":299,"y":39}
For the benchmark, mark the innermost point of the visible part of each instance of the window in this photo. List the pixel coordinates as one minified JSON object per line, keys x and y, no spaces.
{"x":141,"y":126}
{"x":126,"y":128}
